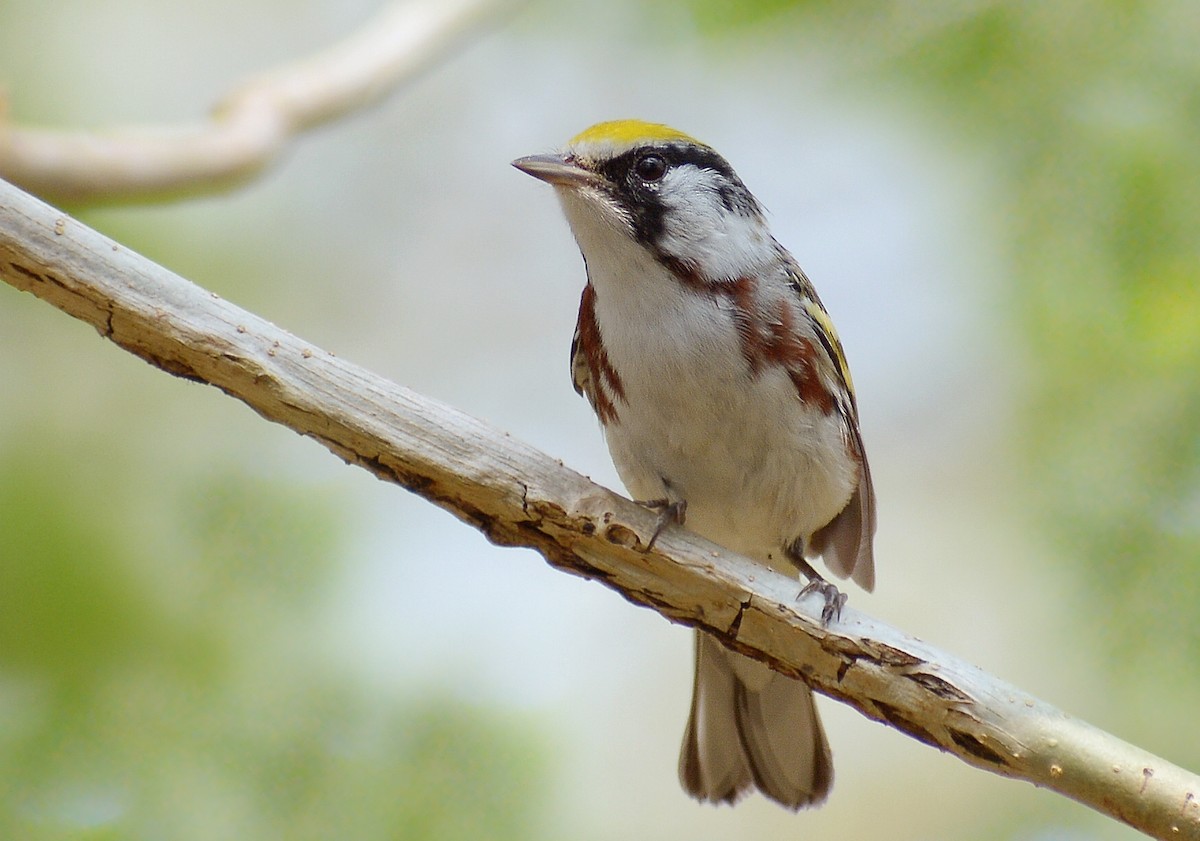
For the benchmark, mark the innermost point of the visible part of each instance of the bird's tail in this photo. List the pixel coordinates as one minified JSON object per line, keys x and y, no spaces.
{"x":751,"y":726}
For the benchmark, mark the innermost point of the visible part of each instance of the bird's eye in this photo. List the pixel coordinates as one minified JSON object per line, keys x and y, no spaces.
{"x":650,"y":167}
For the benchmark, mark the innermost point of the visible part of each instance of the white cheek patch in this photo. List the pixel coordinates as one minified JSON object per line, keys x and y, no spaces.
{"x":700,"y":230}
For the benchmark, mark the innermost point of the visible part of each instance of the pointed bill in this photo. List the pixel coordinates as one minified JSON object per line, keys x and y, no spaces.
{"x":556,"y":170}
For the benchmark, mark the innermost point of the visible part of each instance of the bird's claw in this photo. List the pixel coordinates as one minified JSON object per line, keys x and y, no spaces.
{"x":669,"y":513}
{"x":834,"y":598}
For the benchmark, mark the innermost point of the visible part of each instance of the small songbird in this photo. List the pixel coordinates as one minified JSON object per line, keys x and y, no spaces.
{"x":726,"y":403}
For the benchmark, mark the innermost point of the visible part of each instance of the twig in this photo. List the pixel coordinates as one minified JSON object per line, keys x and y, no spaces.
{"x":518,"y":496}
{"x":251,"y":126}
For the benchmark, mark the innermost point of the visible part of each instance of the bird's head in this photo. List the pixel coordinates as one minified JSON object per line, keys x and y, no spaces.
{"x":662,"y":189}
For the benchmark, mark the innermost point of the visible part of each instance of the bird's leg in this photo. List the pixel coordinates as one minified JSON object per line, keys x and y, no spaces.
{"x":669,"y":513}
{"x":834,"y":598}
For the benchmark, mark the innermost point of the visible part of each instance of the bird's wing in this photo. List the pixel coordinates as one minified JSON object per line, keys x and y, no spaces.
{"x":846,"y":541}
{"x":592,"y":374}
{"x":581,"y":375}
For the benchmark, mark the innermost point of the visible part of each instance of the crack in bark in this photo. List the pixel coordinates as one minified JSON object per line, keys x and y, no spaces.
{"x":976,"y":747}
{"x":941,"y":688}
{"x":28,"y":273}
{"x":902,"y":721}
{"x":736,"y":625}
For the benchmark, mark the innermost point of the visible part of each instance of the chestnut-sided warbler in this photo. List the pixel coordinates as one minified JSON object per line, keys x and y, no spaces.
{"x":724,"y":395}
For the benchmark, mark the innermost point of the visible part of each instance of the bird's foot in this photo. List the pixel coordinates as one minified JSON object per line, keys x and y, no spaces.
{"x":834,"y":598}
{"x":669,"y":513}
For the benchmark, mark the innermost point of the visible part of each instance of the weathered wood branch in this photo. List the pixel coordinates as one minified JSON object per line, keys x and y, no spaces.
{"x":252,"y":125}
{"x":518,"y":496}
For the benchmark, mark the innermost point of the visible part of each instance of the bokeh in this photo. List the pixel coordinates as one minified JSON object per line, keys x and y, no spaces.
{"x":211,"y":627}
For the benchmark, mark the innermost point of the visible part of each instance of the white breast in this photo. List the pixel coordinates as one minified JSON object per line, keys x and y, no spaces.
{"x":757,"y":467}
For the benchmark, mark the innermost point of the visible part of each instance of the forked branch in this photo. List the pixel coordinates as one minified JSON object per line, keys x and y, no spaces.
{"x":251,"y":126}
{"x":518,"y":496}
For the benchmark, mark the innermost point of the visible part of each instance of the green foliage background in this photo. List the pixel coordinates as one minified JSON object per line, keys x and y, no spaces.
{"x":149,"y":699}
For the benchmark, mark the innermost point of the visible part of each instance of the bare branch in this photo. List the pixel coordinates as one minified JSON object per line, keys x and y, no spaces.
{"x":518,"y":496}
{"x":252,"y":125}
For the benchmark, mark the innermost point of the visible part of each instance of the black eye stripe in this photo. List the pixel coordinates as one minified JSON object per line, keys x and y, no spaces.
{"x":640,"y":195}
{"x":617,"y":169}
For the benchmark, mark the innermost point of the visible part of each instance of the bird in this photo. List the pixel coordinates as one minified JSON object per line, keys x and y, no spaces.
{"x":727,"y":405}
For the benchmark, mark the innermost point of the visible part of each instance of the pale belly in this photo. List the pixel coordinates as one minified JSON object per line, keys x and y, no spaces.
{"x":757,"y":467}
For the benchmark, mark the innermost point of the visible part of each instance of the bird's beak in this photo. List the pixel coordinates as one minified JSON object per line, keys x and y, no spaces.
{"x":556,"y":170}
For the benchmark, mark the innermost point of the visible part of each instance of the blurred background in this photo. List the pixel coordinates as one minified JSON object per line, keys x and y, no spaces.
{"x":211,"y":627}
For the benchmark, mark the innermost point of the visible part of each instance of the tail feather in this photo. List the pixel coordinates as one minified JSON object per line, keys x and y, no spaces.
{"x":751,"y":726}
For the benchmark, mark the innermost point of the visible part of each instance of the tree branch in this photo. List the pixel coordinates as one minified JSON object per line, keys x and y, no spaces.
{"x":252,"y":125}
{"x":518,"y":496}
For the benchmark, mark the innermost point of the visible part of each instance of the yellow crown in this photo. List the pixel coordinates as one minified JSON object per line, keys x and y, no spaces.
{"x":625,"y":133}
